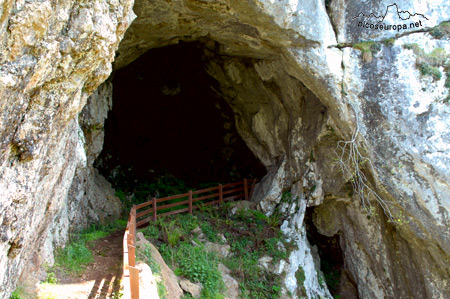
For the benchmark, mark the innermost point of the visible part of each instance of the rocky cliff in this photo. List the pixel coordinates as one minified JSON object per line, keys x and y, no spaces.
{"x":350,"y":119}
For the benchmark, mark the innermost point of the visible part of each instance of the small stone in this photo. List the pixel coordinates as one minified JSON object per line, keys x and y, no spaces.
{"x":231,"y":284}
{"x":197,"y":230}
{"x":265,"y":261}
{"x":195,"y":244}
{"x":194,"y":289}
{"x":221,"y":250}
{"x":222,"y":238}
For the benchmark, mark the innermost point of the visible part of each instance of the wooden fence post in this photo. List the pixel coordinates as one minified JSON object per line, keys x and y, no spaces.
{"x":190,"y":202}
{"x":154,"y":209}
{"x":125,"y":253}
{"x":134,"y":282}
{"x":220,"y":193}
{"x":246,"y":189}
{"x":133,"y":223}
{"x":131,"y":252}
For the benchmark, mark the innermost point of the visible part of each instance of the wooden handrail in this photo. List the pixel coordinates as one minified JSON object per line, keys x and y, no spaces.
{"x":130,"y":272}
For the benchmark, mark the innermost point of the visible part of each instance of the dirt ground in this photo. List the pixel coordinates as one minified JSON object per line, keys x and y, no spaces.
{"x":101,"y":279}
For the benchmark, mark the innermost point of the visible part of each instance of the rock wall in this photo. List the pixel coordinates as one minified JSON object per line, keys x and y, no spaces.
{"x":54,"y":54}
{"x":298,"y":79}
{"x":403,"y":115}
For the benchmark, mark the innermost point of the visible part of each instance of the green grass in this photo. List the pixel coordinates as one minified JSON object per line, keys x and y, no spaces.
{"x":76,"y":255}
{"x":95,"y":235}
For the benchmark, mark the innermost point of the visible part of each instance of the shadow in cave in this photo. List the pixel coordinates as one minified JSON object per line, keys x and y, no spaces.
{"x":168,"y":120}
{"x":330,"y":253}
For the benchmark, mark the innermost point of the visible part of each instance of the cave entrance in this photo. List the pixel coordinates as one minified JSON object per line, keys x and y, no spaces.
{"x":331,"y":259}
{"x":168,"y":121}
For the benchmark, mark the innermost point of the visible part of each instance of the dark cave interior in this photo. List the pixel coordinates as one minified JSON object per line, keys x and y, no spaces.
{"x":168,"y":119}
{"x":330,"y":252}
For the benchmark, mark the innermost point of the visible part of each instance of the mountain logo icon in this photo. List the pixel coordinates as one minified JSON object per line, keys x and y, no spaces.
{"x":392,"y":19}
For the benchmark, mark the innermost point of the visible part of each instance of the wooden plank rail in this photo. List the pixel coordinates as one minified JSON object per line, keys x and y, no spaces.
{"x":130,"y":272}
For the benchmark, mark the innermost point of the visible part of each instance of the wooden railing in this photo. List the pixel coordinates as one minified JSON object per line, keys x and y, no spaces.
{"x":130,"y":272}
{"x":186,"y":202}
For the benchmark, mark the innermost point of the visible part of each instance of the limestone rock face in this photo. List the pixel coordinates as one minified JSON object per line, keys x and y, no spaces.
{"x":298,"y":82}
{"x":53,"y":55}
{"x":403,"y":115}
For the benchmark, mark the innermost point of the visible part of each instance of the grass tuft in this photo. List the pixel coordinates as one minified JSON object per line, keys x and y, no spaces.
{"x":74,"y":257}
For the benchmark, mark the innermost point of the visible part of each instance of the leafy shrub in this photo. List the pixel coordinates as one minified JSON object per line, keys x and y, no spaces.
{"x":51,"y":278}
{"x":174,"y":235}
{"x":151,"y":231}
{"x":187,"y":222}
{"x":428,"y":64}
{"x":197,"y":265}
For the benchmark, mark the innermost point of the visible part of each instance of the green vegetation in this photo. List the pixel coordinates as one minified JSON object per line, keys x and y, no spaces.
{"x":51,"y":278}
{"x":300,"y":276}
{"x":15,"y":295}
{"x":76,"y":255}
{"x":389,"y":42}
{"x":250,"y":234}
{"x":162,"y":186}
{"x":332,"y":276}
{"x":428,"y":70}
{"x":367,"y":46}
{"x":441,"y":31}
{"x":197,"y":265}
{"x":428,"y":64}
{"x":373,"y":46}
